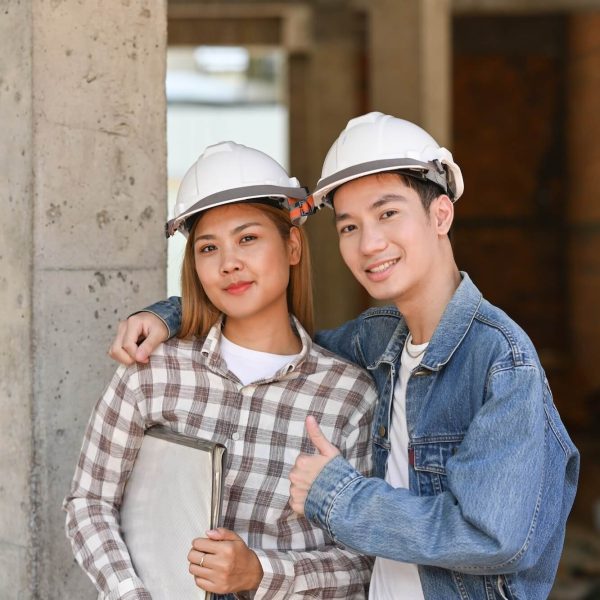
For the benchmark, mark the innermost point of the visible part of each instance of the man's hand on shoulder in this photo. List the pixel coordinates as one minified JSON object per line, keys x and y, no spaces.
{"x":137,"y":338}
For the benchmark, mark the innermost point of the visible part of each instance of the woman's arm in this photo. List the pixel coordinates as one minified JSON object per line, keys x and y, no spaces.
{"x":112,"y":439}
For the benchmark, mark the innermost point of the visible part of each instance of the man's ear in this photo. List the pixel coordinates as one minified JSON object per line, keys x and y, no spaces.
{"x":442,"y":214}
{"x":295,"y":246}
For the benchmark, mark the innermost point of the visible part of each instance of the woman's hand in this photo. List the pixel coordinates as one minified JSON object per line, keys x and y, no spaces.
{"x":222,"y":563}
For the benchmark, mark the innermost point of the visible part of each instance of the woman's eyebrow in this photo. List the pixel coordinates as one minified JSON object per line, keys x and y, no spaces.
{"x":238,"y":229}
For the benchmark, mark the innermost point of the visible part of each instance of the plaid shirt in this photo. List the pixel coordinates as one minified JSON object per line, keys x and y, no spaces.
{"x":187,"y":386}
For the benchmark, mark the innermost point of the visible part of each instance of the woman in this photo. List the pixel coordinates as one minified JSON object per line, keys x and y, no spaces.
{"x":244,"y":372}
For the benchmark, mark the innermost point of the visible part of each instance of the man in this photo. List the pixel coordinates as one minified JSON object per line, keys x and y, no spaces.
{"x":476,"y":473}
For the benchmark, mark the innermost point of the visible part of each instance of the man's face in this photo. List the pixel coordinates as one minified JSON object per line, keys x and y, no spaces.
{"x":387,"y":239}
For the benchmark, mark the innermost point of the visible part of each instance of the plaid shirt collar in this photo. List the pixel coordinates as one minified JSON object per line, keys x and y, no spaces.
{"x":210,"y":351}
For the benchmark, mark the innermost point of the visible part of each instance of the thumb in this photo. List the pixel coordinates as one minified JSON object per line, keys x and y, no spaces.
{"x":223,"y":535}
{"x":320,"y":442}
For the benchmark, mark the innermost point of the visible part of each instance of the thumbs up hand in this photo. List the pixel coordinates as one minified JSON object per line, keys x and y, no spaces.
{"x":308,"y":466}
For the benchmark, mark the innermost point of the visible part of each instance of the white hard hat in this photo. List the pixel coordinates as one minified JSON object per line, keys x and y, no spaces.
{"x":230,"y":172}
{"x":374,"y":143}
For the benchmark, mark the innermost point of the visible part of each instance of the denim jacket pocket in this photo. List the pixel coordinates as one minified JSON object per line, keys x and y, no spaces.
{"x":429,"y":462}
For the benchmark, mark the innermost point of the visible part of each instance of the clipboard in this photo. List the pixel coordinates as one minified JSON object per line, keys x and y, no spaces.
{"x":172,"y":496}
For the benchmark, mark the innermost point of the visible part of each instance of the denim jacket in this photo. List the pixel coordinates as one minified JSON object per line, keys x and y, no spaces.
{"x":492,"y":471}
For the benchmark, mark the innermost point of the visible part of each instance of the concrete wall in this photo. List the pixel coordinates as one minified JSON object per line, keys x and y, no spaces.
{"x":15,"y":298}
{"x":82,"y":171}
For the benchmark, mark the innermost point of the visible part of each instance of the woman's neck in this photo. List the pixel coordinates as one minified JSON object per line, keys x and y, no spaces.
{"x":275,"y":336}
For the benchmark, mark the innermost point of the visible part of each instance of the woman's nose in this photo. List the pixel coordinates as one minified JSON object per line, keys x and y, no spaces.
{"x":230,"y":262}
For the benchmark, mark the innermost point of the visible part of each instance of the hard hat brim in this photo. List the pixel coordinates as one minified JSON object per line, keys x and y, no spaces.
{"x":327,"y":184}
{"x":235,"y":195}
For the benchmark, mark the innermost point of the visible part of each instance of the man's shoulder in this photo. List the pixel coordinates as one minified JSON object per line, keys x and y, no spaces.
{"x":496,"y":327}
{"x":365,"y":338}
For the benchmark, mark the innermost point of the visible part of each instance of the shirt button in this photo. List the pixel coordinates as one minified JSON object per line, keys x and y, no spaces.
{"x":382,"y":430}
{"x":235,"y":436}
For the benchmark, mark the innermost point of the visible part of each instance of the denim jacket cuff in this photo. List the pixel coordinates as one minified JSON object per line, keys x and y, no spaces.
{"x":168,"y":311}
{"x":331,"y":481}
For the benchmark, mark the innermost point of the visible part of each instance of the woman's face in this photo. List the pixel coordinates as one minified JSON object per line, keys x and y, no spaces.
{"x":242,"y":261}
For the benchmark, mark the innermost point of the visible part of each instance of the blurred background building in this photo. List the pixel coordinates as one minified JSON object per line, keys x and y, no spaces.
{"x":103,"y":107}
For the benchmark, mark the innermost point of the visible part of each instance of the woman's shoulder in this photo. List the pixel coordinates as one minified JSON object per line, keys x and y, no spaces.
{"x":175,"y":352}
{"x":325,"y":360}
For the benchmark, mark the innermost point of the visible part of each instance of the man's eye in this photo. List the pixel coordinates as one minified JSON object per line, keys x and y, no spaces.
{"x":389,"y":213}
{"x":347,"y":229}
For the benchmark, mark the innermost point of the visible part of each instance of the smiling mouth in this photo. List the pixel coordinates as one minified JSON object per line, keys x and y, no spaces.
{"x":383,"y":266}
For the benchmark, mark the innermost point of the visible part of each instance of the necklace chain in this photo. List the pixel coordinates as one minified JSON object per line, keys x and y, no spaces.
{"x":408,"y":342}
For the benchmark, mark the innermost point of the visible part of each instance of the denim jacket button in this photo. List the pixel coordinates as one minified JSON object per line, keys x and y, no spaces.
{"x":382,"y":430}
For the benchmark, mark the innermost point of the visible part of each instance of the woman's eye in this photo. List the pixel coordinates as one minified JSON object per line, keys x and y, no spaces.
{"x":206,"y":249}
{"x":248,"y":238}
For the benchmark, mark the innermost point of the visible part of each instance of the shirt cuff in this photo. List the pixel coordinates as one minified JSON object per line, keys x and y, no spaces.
{"x":278,"y":576}
{"x":129,"y":589}
{"x":337,"y":474}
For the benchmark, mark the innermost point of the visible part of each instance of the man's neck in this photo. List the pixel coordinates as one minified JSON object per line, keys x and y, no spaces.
{"x":424,"y":310}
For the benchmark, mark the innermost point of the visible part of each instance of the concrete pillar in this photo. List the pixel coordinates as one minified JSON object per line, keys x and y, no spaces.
{"x":16,"y":251}
{"x":83,"y":159}
{"x":326,"y":91}
{"x":583,"y":212}
{"x":410,"y":62}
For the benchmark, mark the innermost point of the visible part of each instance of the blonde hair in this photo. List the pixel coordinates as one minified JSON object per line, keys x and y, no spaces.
{"x":199,"y":314}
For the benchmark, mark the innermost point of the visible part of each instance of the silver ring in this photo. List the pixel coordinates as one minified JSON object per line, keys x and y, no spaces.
{"x":202,"y":560}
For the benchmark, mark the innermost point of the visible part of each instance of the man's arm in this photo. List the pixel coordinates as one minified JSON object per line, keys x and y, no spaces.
{"x":143,"y":331}
{"x":485,"y":520}
{"x":139,"y":336}
{"x":342,"y":340}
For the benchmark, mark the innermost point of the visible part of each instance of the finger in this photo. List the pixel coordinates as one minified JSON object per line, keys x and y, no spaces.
{"x":222,"y":534}
{"x":116,"y":351}
{"x":205,"y":545}
{"x":297,"y":507}
{"x":205,"y":584}
{"x":198,"y":558}
{"x":320,"y":442}
{"x":133,"y":332}
{"x":149,"y":345}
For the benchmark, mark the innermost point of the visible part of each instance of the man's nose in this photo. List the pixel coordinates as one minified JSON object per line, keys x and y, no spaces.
{"x":372,"y":240}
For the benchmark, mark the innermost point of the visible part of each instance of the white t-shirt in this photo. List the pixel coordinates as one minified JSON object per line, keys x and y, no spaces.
{"x":392,"y":579}
{"x":252,"y":365}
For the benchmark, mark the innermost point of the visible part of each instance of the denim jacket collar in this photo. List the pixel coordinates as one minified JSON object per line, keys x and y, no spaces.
{"x":449,"y":333}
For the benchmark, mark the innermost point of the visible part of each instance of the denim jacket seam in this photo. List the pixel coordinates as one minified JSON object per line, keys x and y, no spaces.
{"x":557,"y":435}
{"x":358,"y":350}
{"x":331,"y":507}
{"x":519,"y":554}
{"x":517,"y":355}
{"x":500,"y":367}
